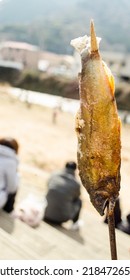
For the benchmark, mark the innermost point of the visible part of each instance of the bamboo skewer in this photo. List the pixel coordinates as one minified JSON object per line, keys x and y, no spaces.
{"x":112,"y":235}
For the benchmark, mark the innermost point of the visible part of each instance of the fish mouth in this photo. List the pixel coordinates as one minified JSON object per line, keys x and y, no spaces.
{"x":101,"y":200}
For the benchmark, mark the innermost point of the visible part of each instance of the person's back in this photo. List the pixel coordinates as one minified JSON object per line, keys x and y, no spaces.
{"x":63,"y":196}
{"x":8,"y":173}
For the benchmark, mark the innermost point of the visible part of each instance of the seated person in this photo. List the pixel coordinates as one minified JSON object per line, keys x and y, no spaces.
{"x":63,"y":196}
{"x":8,"y":173}
{"x":123,"y":225}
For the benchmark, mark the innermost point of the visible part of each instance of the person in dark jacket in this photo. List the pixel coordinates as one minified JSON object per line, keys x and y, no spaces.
{"x":117,"y":214}
{"x":123,"y":225}
{"x":63,"y":196}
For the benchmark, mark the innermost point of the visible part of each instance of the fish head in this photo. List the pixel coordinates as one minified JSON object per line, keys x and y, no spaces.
{"x":100,"y":201}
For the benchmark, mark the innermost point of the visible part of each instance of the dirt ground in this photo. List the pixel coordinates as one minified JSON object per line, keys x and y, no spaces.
{"x":46,"y":146}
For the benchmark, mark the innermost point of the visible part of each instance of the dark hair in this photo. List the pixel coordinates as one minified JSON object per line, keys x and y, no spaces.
{"x":71,"y":165}
{"x":10,"y":143}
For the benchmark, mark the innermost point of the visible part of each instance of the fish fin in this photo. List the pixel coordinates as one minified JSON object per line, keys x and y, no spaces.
{"x":94,"y":41}
{"x":110,"y":77}
{"x":112,"y":83}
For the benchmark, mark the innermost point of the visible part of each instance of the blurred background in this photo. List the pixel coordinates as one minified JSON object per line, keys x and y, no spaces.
{"x":39,"y":82}
{"x":35,"y":45}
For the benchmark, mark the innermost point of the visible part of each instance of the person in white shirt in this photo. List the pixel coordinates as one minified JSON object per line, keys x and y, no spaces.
{"x":9,"y":179}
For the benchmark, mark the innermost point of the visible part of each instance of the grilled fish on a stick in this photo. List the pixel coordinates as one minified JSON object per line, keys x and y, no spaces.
{"x":97,"y":126}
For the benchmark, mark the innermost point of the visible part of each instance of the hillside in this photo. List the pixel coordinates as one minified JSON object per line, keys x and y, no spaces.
{"x":52,"y":24}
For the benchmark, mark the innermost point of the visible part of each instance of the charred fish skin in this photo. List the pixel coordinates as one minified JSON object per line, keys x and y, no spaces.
{"x":97,"y":126}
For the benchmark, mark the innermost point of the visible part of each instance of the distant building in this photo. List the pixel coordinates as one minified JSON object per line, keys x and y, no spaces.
{"x":11,"y":65}
{"x":56,"y":64}
{"x":125,"y":69}
{"x":24,"y":53}
{"x":118,"y":62}
{"x":31,"y":57}
{"x":115,"y":61}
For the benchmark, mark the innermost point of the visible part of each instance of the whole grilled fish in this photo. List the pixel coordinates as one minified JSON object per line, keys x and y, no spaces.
{"x":97,"y":126}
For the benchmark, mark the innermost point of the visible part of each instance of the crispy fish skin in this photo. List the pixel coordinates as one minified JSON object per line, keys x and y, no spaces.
{"x":98,"y":128}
